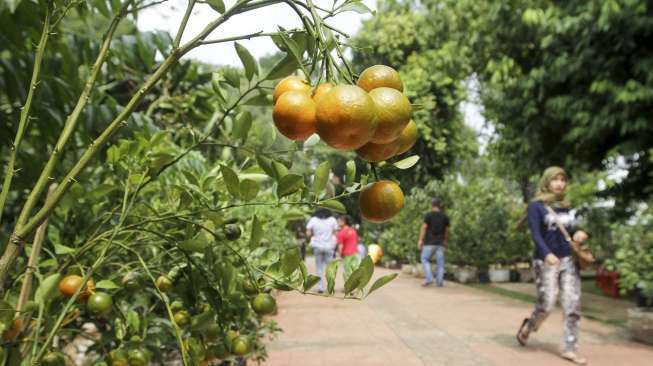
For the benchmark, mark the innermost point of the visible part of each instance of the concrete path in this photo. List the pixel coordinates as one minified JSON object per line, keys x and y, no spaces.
{"x":404,"y":324}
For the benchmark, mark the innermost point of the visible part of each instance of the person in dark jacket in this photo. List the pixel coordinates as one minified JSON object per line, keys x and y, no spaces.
{"x":553,"y":263}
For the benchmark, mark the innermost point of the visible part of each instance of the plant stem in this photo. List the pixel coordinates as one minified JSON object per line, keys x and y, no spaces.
{"x":184,"y":22}
{"x":71,"y":121}
{"x":24,"y":114}
{"x":32,"y":263}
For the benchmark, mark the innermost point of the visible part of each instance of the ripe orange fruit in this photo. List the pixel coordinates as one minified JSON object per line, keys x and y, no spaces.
{"x":380,"y":76}
{"x":291,"y":83}
{"x":294,"y":115}
{"x":407,"y":138}
{"x":375,"y":252}
{"x":346,"y":117}
{"x":377,"y":152}
{"x":321,"y":90}
{"x":69,"y":284}
{"x":381,"y":201}
{"x":393,"y":112}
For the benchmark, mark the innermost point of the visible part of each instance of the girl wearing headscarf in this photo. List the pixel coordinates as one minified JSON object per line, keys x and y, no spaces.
{"x":553,"y":263}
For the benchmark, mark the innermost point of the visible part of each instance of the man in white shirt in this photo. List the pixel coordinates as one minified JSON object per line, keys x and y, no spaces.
{"x":321,"y":228}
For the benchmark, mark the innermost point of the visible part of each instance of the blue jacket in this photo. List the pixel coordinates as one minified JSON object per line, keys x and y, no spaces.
{"x":545,"y":233}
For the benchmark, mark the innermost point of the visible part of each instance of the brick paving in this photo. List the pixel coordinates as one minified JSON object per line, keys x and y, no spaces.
{"x":405,"y":324}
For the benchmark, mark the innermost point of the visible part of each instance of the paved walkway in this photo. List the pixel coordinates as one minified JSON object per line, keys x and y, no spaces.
{"x":404,"y":324}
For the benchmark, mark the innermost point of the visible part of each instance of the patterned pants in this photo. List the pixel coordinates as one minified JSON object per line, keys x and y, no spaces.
{"x":550,"y":280}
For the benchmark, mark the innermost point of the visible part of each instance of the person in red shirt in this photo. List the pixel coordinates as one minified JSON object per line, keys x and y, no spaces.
{"x":347,"y":239}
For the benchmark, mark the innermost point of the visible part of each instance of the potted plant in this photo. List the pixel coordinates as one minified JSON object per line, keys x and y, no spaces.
{"x":634,"y":262}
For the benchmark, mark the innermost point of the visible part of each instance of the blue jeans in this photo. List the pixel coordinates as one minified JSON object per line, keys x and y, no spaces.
{"x":427,"y":255}
{"x":322,"y":258}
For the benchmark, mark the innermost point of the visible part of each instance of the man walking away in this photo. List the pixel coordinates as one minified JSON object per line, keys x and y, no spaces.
{"x":433,"y":240}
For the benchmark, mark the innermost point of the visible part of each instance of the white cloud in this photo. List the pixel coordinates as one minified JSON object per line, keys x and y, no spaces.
{"x":167,"y":16}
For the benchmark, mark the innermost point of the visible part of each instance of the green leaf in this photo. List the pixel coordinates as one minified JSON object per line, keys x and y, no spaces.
{"x":289,"y":184}
{"x":356,"y":6}
{"x":232,"y":76}
{"x":261,"y":100}
{"x":62,"y":249}
{"x":251,"y":67}
{"x":197,"y":244}
{"x":280,"y":170}
{"x":201,"y":321}
{"x":293,"y":47}
{"x":106,"y":284}
{"x":248,"y":189}
{"x":48,"y":288}
{"x":331,"y":271}
{"x":242,"y":125}
{"x":350,"y":174}
{"x":217,"y":5}
{"x":257,"y":233}
{"x":333,"y":205}
{"x":321,"y":178}
{"x":231,"y":180}
{"x":381,"y":282}
{"x":353,"y":281}
{"x":406,"y":163}
{"x":266,"y":164}
{"x":367,"y":269}
{"x":303,"y":269}
{"x":133,"y":321}
{"x":311,"y":280}
{"x":312,"y":141}
{"x":283,"y":68}
{"x":290,"y":261}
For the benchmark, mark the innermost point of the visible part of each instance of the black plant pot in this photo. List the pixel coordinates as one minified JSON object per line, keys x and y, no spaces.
{"x":643,"y":301}
{"x":483,"y":276}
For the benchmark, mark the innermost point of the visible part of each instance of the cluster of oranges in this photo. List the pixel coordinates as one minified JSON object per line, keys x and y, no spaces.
{"x":372,"y":117}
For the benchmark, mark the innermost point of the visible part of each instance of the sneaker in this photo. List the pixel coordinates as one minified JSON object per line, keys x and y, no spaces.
{"x":574,"y":357}
{"x":427,"y":284}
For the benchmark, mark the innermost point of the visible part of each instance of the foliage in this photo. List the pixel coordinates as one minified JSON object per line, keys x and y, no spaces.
{"x":414,"y":39}
{"x":575,"y":75}
{"x":174,"y":192}
{"x":634,"y":256}
{"x":484,"y":215}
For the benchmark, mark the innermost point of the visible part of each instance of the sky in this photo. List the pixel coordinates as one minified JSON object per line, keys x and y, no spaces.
{"x":168,"y":15}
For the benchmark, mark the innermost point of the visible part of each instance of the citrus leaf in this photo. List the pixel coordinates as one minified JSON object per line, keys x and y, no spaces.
{"x":381,"y":282}
{"x":193,"y":245}
{"x":289,"y":184}
{"x":259,"y":100}
{"x":331,"y":271}
{"x":350,"y":175}
{"x":280,"y":170}
{"x":266,"y":164}
{"x":233,"y":77}
{"x":353,"y":281}
{"x":6,"y":312}
{"x":321,"y":178}
{"x":217,"y":5}
{"x":248,"y":189}
{"x":242,"y":125}
{"x":251,"y":67}
{"x":406,"y":163}
{"x":356,"y":6}
{"x":257,"y":232}
{"x":303,"y":270}
{"x":290,"y":261}
{"x":312,"y":141}
{"x":62,"y":249}
{"x":293,"y":47}
{"x":230,"y":180}
{"x":333,"y":205}
{"x":282,"y":68}
{"x":311,"y":281}
{"x":367,"y":269}
{"x":48,"y":288}
{"x":106,"y":284}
